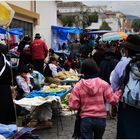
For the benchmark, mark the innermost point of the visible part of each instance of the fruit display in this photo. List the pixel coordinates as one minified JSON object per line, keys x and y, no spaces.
{"x":66,"y":74}
{"x":55,"y":88}
{"x":52,"y":89}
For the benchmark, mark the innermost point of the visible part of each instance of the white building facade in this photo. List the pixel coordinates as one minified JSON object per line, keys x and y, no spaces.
{"x":35,"y":17}
{"x":115,"y":20}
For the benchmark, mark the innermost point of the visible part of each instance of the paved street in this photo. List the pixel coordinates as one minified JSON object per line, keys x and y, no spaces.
{"x":68,"y":125}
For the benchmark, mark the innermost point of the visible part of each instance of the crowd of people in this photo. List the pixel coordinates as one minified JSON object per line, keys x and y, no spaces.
{"x":122,"y":85}
{"x":105,"y":72}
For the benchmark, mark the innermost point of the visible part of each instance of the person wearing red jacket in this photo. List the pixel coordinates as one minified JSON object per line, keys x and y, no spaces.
{"x":39,"y":51}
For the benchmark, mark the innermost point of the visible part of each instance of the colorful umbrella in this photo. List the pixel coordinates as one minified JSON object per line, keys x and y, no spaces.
{"x":113,"y":36}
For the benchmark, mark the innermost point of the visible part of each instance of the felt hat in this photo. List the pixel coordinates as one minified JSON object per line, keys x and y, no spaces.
{"x":132,"y":43}
{"x":37,"y":35}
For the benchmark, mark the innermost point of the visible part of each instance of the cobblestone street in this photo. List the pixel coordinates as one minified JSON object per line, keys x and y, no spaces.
{"x":67,"y":130}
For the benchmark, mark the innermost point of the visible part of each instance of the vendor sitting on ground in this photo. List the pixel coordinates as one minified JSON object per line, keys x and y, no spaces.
{"x":24,"y":85}
{"x":50,"y":71}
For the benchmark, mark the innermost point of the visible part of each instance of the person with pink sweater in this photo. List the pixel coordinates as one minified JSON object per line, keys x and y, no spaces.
{"x":89,"y":95}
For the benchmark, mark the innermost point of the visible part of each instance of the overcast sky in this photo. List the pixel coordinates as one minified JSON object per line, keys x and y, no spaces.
{"x":127,"y":7}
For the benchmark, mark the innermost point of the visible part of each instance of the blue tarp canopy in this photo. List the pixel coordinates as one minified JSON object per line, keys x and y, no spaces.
{"x":13,"y":31}
{"x":16,"y":31}
{"x":2,"y":31}
{"x":62,"y":34}
{"x":64,"y":31}
{"x":68,"y":29}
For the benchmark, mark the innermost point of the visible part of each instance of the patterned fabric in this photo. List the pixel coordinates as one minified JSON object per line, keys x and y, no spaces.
{"x":90,"y":94}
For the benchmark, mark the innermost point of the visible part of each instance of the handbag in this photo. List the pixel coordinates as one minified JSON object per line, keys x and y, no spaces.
{"x":76,"y":133}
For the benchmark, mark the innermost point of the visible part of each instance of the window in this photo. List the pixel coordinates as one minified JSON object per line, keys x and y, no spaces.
{"x":27,"y":26}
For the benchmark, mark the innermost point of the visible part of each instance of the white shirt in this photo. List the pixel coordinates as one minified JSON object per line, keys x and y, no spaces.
{"x":53,"y":68}
{"x":25,"y":86}
{"x":73,"y":71}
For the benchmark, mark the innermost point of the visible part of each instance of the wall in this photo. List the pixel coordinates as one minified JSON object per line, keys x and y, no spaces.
{"x":113,"y":23}
{"x":48,"y":17}
{"x":22,"y":3}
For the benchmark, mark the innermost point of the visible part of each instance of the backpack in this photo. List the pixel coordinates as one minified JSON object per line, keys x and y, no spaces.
{"x":131,"y":95}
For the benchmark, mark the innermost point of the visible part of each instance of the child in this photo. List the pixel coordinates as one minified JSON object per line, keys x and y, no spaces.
{"x":89,"y":95}
{"x":23,"y":82}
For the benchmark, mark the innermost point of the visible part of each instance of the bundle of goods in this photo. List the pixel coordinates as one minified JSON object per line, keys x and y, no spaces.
{"x":66,"y":74}
{"x":65,"y":100}
{"x":55,"y":88}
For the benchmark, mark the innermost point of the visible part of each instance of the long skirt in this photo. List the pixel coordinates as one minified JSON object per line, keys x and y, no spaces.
{"x":128,"y":126}
{"x":7,"y":110}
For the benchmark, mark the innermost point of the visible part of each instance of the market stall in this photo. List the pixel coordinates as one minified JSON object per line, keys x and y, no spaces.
{"x":62,"y":35}
{"x":42,"y":103}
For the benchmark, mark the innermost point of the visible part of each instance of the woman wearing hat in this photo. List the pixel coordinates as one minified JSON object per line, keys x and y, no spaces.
{"x":88,"y":95}
{"x":128,"y":125}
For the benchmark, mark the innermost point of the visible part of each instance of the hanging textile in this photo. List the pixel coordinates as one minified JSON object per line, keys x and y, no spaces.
{"x":16,"y":31}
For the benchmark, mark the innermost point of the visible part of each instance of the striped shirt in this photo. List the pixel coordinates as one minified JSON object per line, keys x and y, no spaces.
{"x":90,"y":95}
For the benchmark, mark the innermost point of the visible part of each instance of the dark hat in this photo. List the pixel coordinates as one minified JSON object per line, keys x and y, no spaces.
{"x":37,"y":35}
{"x":132,"y":43}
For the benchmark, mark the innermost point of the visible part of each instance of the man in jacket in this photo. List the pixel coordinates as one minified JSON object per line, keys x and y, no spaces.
{"x":39,"y":51}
